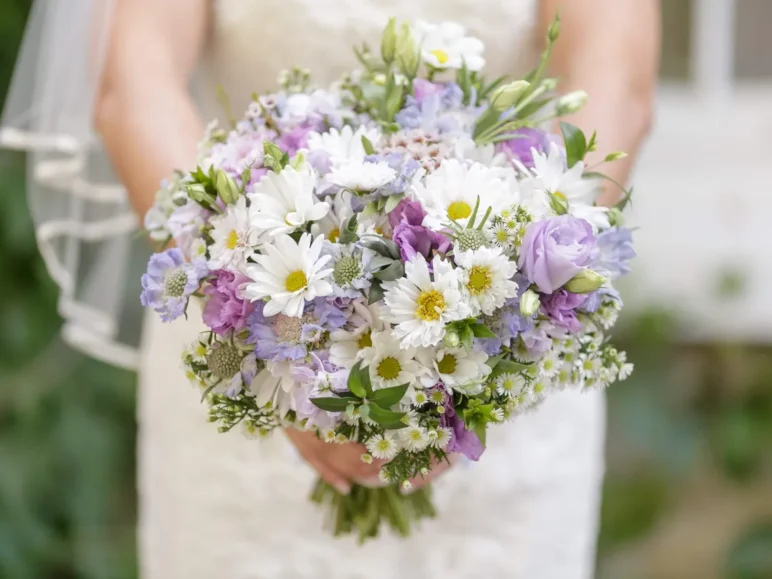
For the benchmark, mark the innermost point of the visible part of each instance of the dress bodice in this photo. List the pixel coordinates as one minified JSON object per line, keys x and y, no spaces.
{"x":251,"y":41}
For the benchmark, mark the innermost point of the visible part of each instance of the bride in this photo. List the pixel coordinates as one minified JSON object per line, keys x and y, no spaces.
{"x":216,"y":505}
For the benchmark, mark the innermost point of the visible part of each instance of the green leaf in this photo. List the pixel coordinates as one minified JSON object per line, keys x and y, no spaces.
{"x":507,"y":367}
{"x":533,"y":107}
{"x":481,"y":430}
{"x":392,"y":202}
{"x":364,"y":378}
{"x":493,"y":361}
{"x":388,"y":419}
{"x":364,"y":411}
{"x":395,"y":271}
{"x":348,"y":230}
{"x":466,"y":335}
{"x":368,"y":146}
{"x":388,"y":397}
{"x":482,"y":331}
{"x":331,"y":404}
{"x":575,"y":142}
{"x":485,"y":121}
{"x":381,"y":245}
{"x":355,"y":384}
{"x":376,"y":292}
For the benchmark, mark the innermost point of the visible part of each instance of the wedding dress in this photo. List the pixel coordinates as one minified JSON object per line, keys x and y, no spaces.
{"x":219,"y":506}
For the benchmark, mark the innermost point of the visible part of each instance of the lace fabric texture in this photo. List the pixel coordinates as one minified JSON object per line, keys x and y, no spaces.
{"x":218,"y":505}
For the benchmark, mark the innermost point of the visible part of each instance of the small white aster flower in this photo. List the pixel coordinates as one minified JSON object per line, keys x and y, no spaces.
{"x":341,"y":439}
{"x":414,"y":438}
{"x":444,"y":436}
{"x":486,"y":274}
{"x":327,"y":435}
{"x":418,"y":397}
{"x":510,"y":384}
{"x":285,"y":201}
{"x":382,"y":446}
{"x":197,"y":249}
{"x":289,"y":274}
{"x":497,"y":414}
{"x":407,"y":485}
{"x":550,"y":364}
{"x":367,"y":458}
{"x":624,"y":371}
{"x":421,"y":307}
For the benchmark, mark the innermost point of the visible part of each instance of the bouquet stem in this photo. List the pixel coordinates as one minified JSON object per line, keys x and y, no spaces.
{"x":364,"y":509}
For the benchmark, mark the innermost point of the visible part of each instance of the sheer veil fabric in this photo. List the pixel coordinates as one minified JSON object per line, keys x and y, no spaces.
{"x":83,"y":222}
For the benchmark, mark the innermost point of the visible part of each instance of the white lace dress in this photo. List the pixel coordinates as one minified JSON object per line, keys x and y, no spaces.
{"x":220,"y":506}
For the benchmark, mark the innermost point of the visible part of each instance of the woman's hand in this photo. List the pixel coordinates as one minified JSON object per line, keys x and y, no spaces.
{"x":341,"y":464}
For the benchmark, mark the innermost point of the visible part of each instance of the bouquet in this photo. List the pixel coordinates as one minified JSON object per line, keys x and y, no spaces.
{"x":399,"y":260}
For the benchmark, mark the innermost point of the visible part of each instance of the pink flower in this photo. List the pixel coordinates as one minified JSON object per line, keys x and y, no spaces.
{"x":226,"y":310}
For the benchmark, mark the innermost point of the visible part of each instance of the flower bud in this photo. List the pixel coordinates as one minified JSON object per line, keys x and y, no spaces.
{"x":226,"y":187}
{"x":452,"y":339}
{"x":508,"y":94}
{"x":615,"y":156}
{"x":554,"y":30}
{"x":558,"y":203}
{"x":529,"y":303}
{"x":407,"y":51}
{"x":389,"y":41}
{"x":549,"y":84}
{"x":298,"y":161}
{"x":615,"y":217}
{"x":197,"y":192}
{"x":570,"y":103}
{"x":584,"y":282}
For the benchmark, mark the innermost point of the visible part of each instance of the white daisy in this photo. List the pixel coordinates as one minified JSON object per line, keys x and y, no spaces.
{"x":234,"y":241}
{"x":550,"y":364}
{"x":414,"y":438}
{"x":455,"y":367}
{"x":273,"y":386}
{"x":446,"y":45}
{"x":568,"y":184}
{"x":420,"y":307}
{"x":451,"y":192}
{"x":285,"y":201}
{"x":389,"y":364}
{"x":330,"y":224}
{"x":486,"y":273}
{"x":350,"y":345}
{"x":289,"y":274}
{"x":383,"y":446}
{"x":361,"y":176}
{"x":344,"y":145}
{"x":418,"y":397}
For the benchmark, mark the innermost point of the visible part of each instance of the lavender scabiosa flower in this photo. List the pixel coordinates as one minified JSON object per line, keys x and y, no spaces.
{"x":615,"y":250}
{"x":440,"y":111}
{"x":226,"y":310}
{"x":169,"y":282}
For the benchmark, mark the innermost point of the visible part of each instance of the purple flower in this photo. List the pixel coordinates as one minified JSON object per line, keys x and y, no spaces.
{"x":561,"y":307}
{"x":519,"y":148}
{"x":169,"y":281}
{"x":615,"y":250}
{"x":596,"y":298}
{"x":464,"y":441}
{"x":555,"y":250}
{"x":316,"y":382}
{"x":413,"y":238}
{"x":436,"y":110}
{"x":423,"y":88}
{"x":536,"y":341}
{"x":225,"y":309}
{"x":405,"y":167}
{"x":292,"y":141}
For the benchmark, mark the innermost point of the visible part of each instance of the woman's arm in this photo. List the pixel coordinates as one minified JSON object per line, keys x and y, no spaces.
{"x":610,"y":49}
{"x":146,"y":117}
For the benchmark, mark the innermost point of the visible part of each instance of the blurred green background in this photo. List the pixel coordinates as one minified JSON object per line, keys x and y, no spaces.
{"x":689,"y":487}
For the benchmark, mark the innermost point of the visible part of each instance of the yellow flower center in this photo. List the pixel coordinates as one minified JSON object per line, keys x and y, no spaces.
{"x":378,"y":230}
{"x":389,"y":368}
{"x":502,"y":235}
{"x":365,"y":341}
{"x":334,"y":235}
{"x":296,"y":280}
{"x":447,"y":365}
{"x":440,"y":55}
{"x":459,"y":210}
{"x":430,"y":305}
{"x":479,"y":280}
{"x":232,"y":240}
{"x":508,"y":384}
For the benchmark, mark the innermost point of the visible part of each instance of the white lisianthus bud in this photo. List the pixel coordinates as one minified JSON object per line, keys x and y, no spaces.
{"x":529,"y":303}
{"x":584,"y":282}
{"x":570,"y":103}
{"x":508,"y":94}
{"x":451,"y":339}
{"x":558,"y":203}
{"x":615,"y":217}
{"x":389,"y":41}
{"x":407,"y":51}
{"x":549,"y":84}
